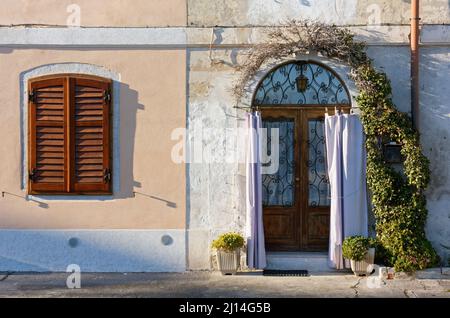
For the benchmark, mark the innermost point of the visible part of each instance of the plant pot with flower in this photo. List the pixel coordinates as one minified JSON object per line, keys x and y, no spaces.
{"x":228,"y":248}
{"x":360,"y":251}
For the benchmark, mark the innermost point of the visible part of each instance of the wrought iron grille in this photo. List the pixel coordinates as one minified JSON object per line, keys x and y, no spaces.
{"x":320,"y":86}
{"x":319,"y":187}
{"x":278,"y":189}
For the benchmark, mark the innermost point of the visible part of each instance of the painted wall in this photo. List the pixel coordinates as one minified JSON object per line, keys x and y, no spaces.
{"x":100,"y":13}
{"x":152,"y":104}
{"x":217,"y":192}
{"x":340,"y":12}
{"x":169,"y":77}
{"x":235,"y":23}
{"x":435,"y":134}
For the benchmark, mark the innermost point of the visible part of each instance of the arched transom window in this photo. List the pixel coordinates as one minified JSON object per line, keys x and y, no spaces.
{"x":301,"y":83}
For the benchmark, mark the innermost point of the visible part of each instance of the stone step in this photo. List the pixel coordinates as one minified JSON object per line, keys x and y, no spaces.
{"x":313,"y":262}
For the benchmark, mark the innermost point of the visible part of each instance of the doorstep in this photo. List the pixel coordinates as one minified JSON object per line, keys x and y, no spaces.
{"x":310,"y":261}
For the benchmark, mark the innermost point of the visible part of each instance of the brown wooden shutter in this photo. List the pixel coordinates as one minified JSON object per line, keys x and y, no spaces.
{"x":69,"y":135}
{"x":91,"y":169}
{"x":47,"y":141}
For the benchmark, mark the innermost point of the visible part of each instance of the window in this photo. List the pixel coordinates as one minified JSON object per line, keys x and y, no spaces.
{"x":301,"y":83}
{"x":69,"y":135}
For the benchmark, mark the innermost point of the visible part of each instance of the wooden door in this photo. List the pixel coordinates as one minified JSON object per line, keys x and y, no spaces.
{"x":296,"y":197}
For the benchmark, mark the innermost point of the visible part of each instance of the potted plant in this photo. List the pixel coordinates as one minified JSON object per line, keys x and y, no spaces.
{"x":228,"y":247}
{"x":360,"y":251}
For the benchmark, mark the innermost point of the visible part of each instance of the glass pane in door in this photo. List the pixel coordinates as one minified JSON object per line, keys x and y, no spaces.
{"x":278,"y":188}
{"x":318,"y":185}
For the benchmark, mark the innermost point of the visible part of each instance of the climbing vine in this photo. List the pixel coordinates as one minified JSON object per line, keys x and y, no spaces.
{"x":398,"y":198}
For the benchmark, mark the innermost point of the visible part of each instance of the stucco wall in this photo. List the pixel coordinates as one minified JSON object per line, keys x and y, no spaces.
{"x":340,"y":12}
{"x":435,"y":134}
{"x":152,"y":104}
{"x":102,"y":13}
{"x":217,"y":192}
{"x":155,"y":65}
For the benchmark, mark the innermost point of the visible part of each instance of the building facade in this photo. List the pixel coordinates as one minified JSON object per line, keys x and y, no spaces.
{"x":169,"y":67}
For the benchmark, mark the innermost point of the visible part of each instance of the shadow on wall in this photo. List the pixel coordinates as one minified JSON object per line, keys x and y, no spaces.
{"x":128,"y":108}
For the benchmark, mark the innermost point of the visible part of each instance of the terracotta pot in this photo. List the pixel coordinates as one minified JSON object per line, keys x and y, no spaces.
{"x":228,"y":262}
{"x":364,"y":267}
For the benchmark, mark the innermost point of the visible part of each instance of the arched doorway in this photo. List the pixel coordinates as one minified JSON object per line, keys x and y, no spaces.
{"x":293,"y":98}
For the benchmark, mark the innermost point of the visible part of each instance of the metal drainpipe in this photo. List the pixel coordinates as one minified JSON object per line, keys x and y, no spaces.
{"x":415,"y":33}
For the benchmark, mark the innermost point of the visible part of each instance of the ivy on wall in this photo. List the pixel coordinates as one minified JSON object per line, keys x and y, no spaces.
{"x":398,"y":197}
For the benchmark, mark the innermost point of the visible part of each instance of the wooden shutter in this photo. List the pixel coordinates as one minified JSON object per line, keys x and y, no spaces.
{"x":69,"y":135}
{"x":47,"y":141}
{"x":91,"y":171}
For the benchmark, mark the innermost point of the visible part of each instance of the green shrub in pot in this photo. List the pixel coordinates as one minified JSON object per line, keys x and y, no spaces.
{"x":228,"y":247}
{"x":360,"y":251}
{"x":228,"y":242}
{"x":356,"y":247}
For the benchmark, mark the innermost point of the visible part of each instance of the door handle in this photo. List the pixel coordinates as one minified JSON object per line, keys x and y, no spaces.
{"x":297,"y":179}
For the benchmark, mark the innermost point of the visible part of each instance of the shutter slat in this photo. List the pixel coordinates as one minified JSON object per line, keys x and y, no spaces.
{"x":47,"y":154}
{"x":89,"y":136}
{"x":51,"y":161}
{"x":85,"y":180}
{"x":41,"y":130}
{"x":50,"y":118}
{"x":83,"y":149}
{"x":50,"y":136}
{"x":57,"y":88}
{"x":51,"y":101}
{"x":50,"y":107}
{"x":89,"y":142}
{"x":82,"y":167}
{"x":90,"y":94}
{"x":91,"y":100}
{"x":90,"y":173}
{"x":50,"y":173}
{"x":88,"y":118}
{"x":89,"y":107}
{"x":85,"y":155}
{"x":50,"y":167}
{"x":45,"y":112}
{"x":52,"y":95}
{"x":84,"y":89}
{"x":83,"y":161}
{"x":43,"y":142}
{"x":89,"y":130}
{"x":49,"y":149}
{"x":96,"y":112}
{"x":49,"y":180}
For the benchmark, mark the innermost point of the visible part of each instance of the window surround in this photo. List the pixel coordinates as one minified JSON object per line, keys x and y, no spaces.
{"x":72,"y":68}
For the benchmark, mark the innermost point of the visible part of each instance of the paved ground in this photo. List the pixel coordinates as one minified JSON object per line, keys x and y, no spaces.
{"x":206,"y":284}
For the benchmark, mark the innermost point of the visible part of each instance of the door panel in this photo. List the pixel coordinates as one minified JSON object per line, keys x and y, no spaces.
{"x":280,"y":198}
{"x":316,"y":199}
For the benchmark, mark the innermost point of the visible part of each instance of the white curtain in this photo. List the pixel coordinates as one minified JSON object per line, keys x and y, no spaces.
{"x":334,"y":161}
{"x":346,"y":160}
{"x":354,"y":177}
{"x":256,"y":251}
